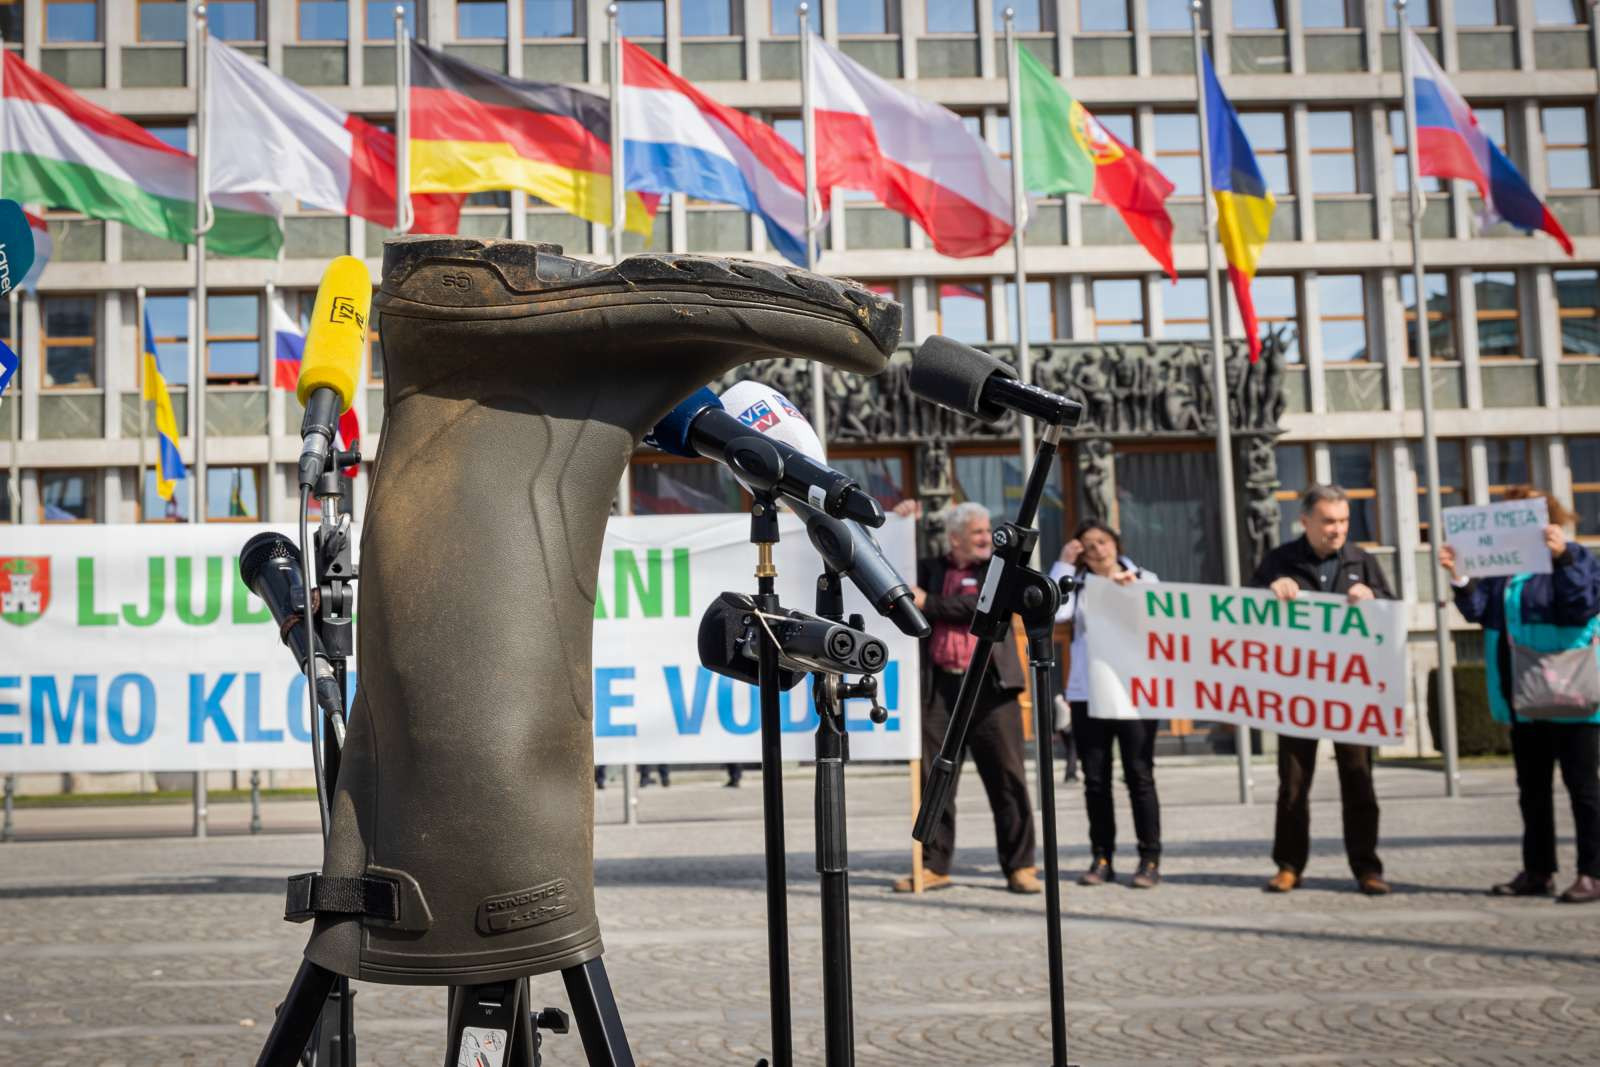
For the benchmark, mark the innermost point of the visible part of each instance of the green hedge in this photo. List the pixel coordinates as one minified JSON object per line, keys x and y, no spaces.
{"x":1477,"y":734}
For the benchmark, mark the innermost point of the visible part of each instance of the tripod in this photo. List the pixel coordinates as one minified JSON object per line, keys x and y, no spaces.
{"x":1012,"y":587}
{"x":489,"y":1023}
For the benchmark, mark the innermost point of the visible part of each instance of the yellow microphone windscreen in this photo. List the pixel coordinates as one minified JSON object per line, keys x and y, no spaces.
{"x":338,"y":331}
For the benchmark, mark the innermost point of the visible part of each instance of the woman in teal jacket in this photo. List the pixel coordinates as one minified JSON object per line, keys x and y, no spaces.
{"x":1557,"y":610}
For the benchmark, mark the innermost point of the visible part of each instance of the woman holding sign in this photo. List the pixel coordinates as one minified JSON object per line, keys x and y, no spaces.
{"x":1095,"y":552}
{"x":1540,"y":634}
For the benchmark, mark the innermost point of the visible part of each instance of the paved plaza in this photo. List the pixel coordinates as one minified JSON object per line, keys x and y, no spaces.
{"x":161,"y":950}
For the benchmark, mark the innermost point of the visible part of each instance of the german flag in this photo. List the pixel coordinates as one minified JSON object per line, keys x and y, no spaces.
{"x":473,"y":130}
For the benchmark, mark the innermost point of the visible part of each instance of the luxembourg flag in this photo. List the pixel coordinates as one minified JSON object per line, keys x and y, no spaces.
{"x":289,"y":346}
{"x":678,"y":140}
{"x":1451,"y":144}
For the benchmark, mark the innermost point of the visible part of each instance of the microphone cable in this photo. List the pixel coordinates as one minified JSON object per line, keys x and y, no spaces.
{"x":311,"y":658}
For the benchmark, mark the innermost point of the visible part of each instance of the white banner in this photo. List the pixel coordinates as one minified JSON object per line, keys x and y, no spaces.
{"x":128,"y":648}
{"x":1503,"y":538}
{"x":1315,"y":666}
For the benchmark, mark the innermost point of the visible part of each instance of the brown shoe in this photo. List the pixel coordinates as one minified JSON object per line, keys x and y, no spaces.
{"x":1525,"y":885}
{"x":1285,"y":881}
{"x":1024,"y":880}
{"x":930,"y":880}
{"x":1586,"y":890}
{"x":1148,"y":876}
{"x":1373,"y":885}
{"x":1099,"y":873}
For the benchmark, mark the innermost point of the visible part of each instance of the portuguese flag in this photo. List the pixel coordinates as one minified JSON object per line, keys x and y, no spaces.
{"x":473,"y":130}
{"x":61,"y":150}
{"x":1065,"y":150}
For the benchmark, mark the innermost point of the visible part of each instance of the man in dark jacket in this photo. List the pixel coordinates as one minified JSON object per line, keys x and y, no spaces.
{"x":1322,"y":560}
{"x":947,"y":592}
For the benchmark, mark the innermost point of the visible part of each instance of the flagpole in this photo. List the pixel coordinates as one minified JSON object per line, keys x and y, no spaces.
{"x":619,"y":204}
{"x":264,"y":498}
{"x":808,"y":147}
{"x":197,"y":429}
{"x":1430,"y":444}
{"x":404,"y":217}
{"x":1219,"y":373}
{"x":144,"y":420}
{"x":14,"y":409}
{"x":1019,"y":222}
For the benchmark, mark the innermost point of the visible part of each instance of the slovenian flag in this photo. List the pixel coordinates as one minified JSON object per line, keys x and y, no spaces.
{"x":169,"y":463}
{"x":1451,"y":144}
{"x":1244,"y":203}
{"x":288,"y":349}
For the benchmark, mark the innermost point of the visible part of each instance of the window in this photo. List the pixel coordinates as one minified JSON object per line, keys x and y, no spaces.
{"x":1169,"y":15}
{"x":1499,"y":331}
{"x":1452,"y":480}
{"x":707,"y":18}
{"x":1478,"y":13}
{"x":1185,"y":310}
{"x":1028,"y":17}
{"x":171,"y":136}
{"x":234,"y":20}
{"x":1402,"y":173}
{"x":153,"y":509}
{"x":231,"y":494}
{"x":374,"y":350}
{"x":1293,"y":478}
{"x":644,"y":18}
{"x":549,"y":18}
{"x":1258,"y":14}
{"x":1118,"y":308}
{"x":882,"y":476}
{"x":1268,"y":134}
{"x":485,"y":20}
{"x":1492,"y":120}
{"x":1342,"y":311}
{"x":964,"y":309}
{"x":169,"y":322}
{"x":1355,"y":470}
{"x":1576,"y":293}
{"x":1560,"y":12}
{"x":70,"y":341}
{"x":233,"y":337}
{"x":1418,"y":13}
{"x":996,"y":481}
{"x":1041,"y":312}
{"x":71,"y":21}
{"x":1178,"y":151}
{"x":324,"y":20}
{"x":1441,"y":314}
{"x":664,"y":486}
{"x":952,"y":16}
{"x":1278,"y":308}
{"x":866,"y":16}
{"x":1107,"y":17}
{"x":7,"y":513}
{"x":1583,"y":458}
{"x":1333,"y":152}
{"x":11,"y":22}
{"x":70,"y":496}
{"x":161,"y":20}
{"x":1566,"y":147}
{"x":1118,"y":123}
{"x":1508,"y":465}
{"x":380,"y":18}
{"x":786,"y":17}
{"x":1330,"y":14}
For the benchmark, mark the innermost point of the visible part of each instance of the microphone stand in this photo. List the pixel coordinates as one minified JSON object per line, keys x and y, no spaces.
{"x":1012,"y":587}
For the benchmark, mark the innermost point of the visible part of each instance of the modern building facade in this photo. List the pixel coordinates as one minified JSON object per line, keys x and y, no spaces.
{"x":1515,"y":324}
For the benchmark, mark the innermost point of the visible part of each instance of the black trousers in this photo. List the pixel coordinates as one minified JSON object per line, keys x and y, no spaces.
{"x":1136,"y":738}
{"x":1537,"y":747}
{"x":995,"y":741}
{"x":1297,"y":763}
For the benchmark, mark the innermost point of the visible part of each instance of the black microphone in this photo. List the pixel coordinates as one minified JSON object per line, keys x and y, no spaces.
{"x":701,"y":426}
{"x":850,"y":549}
{"x":270,"y":567}
{"x":974,"y":383}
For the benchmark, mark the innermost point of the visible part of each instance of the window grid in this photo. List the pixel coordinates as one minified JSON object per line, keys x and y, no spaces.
{"x":1579,"y":311}
{"x":69,"y":496}
{"x":1499,"y":321}
{"x":1440,"y":315}
{"x":69,"y":351}
{"x":220,"y":337}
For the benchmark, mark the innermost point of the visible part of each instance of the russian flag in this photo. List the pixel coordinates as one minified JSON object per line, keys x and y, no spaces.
{"x":1451,"y":144}
{"x":288,"y":349}
{"x":678,"y":140}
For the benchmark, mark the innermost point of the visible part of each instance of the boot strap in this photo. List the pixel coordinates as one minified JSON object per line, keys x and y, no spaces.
{"x":314,"y":894}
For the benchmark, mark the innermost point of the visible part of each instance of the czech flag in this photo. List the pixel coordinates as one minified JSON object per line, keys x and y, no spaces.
{"x":1451,"y":144}
{"x":169,"y":463}
{"x":288,"y":349}
{"x":1244,"y":203}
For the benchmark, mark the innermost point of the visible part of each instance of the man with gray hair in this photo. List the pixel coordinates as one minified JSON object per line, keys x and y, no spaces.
{"x":947,"y":592}
{"x":1322,"y":560}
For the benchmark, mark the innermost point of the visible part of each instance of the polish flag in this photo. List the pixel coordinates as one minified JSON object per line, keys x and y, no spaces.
{"x":268,"y":135}
{"x":915,"y":155}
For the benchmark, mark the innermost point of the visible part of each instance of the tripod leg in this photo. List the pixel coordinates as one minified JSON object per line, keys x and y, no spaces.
{"x":1044,"y":735}
{"x":772,"y":822}
{"x":595,"y":1009}
{"x":291,"y":1030}
{"x":833,"y":868}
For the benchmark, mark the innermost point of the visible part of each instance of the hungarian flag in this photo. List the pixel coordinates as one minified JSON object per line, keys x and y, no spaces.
{"x":473,"y":130}
{"x":1065,"y":150}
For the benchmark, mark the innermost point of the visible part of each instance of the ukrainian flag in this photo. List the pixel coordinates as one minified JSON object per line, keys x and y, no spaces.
{"x":1244,"y":203}
{"x":169,"y":464}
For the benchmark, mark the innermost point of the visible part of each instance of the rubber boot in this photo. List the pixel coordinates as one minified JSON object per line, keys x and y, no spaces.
{"x":518,"y":382}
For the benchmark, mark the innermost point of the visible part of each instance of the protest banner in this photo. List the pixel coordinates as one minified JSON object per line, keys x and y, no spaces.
{"x":138,"y":648}
{"x":1503,"y":538}
{"x":1315,"y":666}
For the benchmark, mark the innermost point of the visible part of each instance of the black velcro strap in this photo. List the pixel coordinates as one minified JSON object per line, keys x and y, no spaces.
{"x":315,"y":894}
